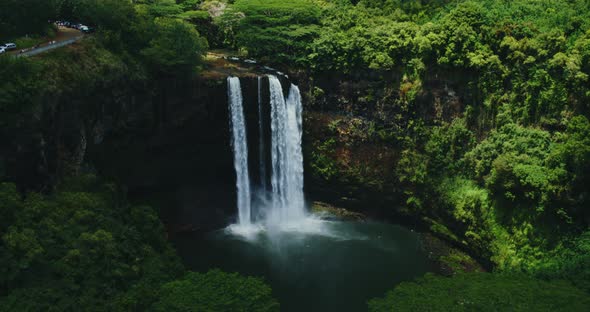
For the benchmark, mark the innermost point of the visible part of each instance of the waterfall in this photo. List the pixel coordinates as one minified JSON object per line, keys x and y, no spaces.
{"x":295,"y":197}
{"x":278,"y":142}
{"x":240,"y":149}
{"x":287,"y":159}
{"x":261,"y":145}
{"x":282,"y":204}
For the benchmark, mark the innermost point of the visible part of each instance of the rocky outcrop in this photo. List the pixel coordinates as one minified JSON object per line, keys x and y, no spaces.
{"x":356,"y":127}
{"x":329,"y":212}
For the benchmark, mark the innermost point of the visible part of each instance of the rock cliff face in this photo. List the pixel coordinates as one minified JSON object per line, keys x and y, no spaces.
{"x":355,"y":127}
{"x":174,"y":152}
{"x":177,"y":155}
{"x":168,"y":141}
{"x":152,"y":137}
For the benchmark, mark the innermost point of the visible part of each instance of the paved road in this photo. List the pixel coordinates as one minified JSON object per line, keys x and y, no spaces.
{"x":65,"y":36}
{"x":48,"y":47}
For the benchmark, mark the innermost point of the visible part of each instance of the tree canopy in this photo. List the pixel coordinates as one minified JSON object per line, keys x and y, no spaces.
{"x":83,"y":246}
{"x":482,"y":292}
{"x":216,"y":291}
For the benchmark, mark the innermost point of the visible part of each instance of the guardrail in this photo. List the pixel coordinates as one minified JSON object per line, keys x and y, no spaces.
{"x":48,"y":47}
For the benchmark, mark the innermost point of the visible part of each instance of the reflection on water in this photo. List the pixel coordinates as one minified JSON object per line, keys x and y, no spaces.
{"x":316,"y":265}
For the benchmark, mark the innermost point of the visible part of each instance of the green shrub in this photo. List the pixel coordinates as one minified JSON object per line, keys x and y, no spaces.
{"x":215,"y":291}
{"x":81,"y":248}
{"x":277,"y":30}
{"x":482,"y":292}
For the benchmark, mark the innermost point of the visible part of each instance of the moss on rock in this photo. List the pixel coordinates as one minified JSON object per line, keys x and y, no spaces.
{"x":327,"y":211}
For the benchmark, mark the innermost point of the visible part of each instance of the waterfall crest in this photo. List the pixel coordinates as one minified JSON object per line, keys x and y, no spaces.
{"x":240,"y":149}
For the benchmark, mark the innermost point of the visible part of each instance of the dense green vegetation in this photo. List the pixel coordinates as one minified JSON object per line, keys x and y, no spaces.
{"x":513,"y":192}
{"x":505,"y":176}
{"x":69,"y":241}
{"x":84,"y":248}
{"x":482,"y":292}
{"x":133,"y":47}
{"x":216,"y":291}
{"x":507,"y":171}
{"x":22,"y":17}
{"x":272,"y":28}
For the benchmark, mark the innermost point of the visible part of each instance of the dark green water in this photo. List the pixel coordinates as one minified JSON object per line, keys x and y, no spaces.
{"x":336,"y":268}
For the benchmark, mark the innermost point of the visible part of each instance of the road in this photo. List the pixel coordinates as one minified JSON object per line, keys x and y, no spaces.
{"x":65,"y":36}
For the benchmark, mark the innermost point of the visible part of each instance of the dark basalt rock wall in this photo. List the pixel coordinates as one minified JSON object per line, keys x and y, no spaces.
{"x":168,"y":142}
{"x":177,"y":156}
{"x":343,"y":118}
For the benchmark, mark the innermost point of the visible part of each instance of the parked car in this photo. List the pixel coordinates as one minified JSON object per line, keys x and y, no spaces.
{"x":86,"y":29}
{"x":2,"y":50}
{"x":9,"y":46}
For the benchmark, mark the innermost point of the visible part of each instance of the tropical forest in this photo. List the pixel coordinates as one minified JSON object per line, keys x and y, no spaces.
{"x":301,"y":155}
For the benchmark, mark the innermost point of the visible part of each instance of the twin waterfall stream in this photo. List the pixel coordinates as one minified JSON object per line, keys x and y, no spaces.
{"x":282,"y":205}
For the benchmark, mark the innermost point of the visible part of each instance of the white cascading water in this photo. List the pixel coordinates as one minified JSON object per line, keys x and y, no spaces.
{"x":285,"y":208}
{"x":261,"y":145}
{"x":240,"y":148}
{"x":287,"y":158}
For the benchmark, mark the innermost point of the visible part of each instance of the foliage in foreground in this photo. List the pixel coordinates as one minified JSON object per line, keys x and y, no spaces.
{"x":216,"y":291}
{"x":80,"y":247}
{"x":482,"y":292}
{"x":84,"y":248}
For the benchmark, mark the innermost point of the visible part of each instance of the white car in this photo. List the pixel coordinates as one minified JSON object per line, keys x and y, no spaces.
{"x":9,"y":46}
{"x":2,"y":50}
